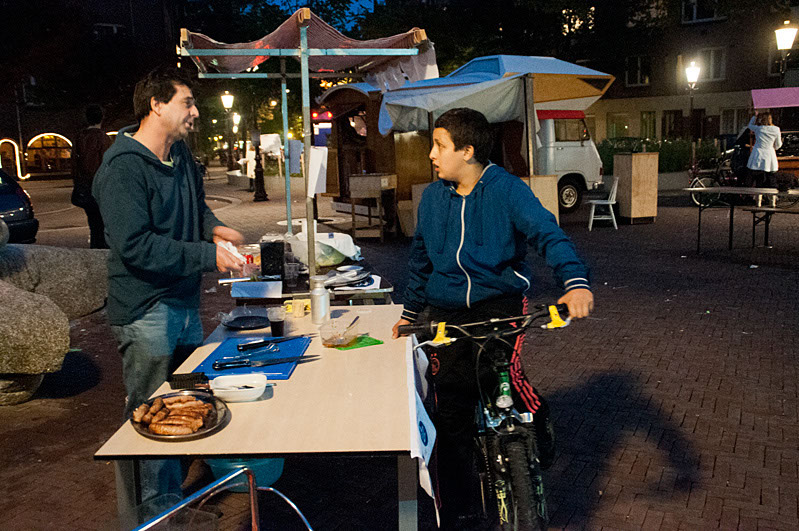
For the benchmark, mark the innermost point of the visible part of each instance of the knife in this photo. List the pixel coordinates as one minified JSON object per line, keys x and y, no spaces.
{"x":247,"y":362}
{"x":258,"y":343}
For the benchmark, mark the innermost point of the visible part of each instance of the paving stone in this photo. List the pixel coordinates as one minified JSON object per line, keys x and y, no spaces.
{"x":677,"y":415}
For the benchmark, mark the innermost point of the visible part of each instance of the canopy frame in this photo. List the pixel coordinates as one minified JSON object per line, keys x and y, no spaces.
{"x":303,"y":52}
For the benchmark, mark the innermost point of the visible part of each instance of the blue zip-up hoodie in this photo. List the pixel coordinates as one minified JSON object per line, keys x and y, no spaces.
{"x":157,"y":225}
{"x":469,"y":249}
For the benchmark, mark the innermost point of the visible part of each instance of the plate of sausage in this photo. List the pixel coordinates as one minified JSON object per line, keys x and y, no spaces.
{"x":181,"y":416}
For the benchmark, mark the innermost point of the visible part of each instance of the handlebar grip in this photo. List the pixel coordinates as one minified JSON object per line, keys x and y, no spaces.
{"x":562,"y":308}
{"x":415,"y":328}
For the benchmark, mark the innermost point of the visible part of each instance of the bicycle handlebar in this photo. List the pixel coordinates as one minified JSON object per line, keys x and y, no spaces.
{"x":430,"y":327}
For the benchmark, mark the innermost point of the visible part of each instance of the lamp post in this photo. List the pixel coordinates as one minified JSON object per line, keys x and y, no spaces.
{"x":227,"y":103}
{"x":785,"y":34}
{"x":692,"y":75}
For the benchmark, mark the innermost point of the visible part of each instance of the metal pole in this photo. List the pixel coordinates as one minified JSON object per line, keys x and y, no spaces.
{"x":285,"y":112}
{"x":691,"y":113}
{"x":430,"y":129}
{"x":229,"y":135}
{"x":529,"y":112}
{"x":306,"y":131}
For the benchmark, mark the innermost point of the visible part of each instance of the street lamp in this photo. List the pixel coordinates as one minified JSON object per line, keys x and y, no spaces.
{"x":785,"y":37}
{"x":227,"y":103}
{"x":692,"y":75}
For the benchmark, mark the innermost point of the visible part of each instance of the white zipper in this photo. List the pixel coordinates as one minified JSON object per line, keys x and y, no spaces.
{"x":458,"y":254}
{"x":522,"y":277}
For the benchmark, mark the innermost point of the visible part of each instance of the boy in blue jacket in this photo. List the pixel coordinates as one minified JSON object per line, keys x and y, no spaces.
{"x":467,"y":264}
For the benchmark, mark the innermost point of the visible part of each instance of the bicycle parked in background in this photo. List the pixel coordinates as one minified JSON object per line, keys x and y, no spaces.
{"x":512,"y":484}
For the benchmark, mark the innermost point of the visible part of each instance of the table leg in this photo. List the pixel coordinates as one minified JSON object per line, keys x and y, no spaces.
{"x":768,"y":221}
{"x":732,"y":217}
{"x":754,"y":224}
{"x":128,"y":491}
{"x":407,"y":480}
{"x":699,"y":230}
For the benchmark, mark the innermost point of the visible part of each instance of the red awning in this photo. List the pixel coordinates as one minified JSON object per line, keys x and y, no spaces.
{"x":287,"y":36}
{"x":559,"y":115}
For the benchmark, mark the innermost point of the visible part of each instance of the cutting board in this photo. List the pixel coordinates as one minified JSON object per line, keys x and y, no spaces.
{"x":282,"y":371}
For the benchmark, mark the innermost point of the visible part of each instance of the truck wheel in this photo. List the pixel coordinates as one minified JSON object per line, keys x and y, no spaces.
{"x":570,"y":194}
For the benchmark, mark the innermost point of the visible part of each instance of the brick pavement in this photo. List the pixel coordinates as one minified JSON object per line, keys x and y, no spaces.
{"x":675,"y":403}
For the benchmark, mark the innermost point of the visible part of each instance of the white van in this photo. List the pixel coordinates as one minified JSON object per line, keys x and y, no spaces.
{"x":567,"y":151}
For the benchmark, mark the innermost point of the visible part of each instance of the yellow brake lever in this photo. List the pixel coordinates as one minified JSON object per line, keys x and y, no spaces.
{"x":441,"y":335}
{"x":557,"y":321}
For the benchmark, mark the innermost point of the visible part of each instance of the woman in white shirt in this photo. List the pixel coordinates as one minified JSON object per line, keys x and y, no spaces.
{"x":762,"y":162}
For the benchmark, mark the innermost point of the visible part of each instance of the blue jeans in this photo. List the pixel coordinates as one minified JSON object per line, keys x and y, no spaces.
{"x":152,"y":347}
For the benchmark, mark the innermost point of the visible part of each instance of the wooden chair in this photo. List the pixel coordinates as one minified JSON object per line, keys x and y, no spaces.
{"x":608,"y":203}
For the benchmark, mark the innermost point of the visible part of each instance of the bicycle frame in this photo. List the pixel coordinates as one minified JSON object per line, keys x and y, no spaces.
{"x":505,"y":437}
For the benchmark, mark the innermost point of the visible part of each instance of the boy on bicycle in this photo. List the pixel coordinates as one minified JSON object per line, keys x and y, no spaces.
{"x":467,"y":264}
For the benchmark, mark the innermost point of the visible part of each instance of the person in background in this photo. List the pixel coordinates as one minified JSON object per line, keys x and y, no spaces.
{"x":162,"y":238}
{"x":762,"y":163}
{"x":87,"y":155}
{"x":467,"y":264}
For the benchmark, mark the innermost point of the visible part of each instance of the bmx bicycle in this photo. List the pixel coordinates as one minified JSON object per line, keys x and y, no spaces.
{"x":510,"y":470}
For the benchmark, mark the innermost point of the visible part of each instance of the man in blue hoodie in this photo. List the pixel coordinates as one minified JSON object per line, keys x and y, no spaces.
{"x":162,"y":238}
{"x":467,"y":264}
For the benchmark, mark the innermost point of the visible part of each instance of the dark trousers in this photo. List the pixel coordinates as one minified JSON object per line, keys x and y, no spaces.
{"x":96,"y":227}
{"x":763,"y":179}
{"x":452,"y":371}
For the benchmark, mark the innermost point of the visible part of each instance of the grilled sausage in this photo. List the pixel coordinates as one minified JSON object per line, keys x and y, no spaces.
{"x":159,"y":428}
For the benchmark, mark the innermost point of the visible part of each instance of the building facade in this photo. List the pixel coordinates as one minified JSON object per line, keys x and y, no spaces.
{"x":736,"y":51}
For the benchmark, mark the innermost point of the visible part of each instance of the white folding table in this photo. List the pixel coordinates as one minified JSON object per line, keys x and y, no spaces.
{"x":353,"y":402}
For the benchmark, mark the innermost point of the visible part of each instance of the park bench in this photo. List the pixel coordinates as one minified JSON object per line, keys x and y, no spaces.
{"x":763,"y":215}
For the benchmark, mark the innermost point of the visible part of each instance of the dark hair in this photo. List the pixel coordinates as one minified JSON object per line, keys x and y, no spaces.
{"x":468,"y":127}
{"x":160,"y":84}
{"x":764,"y":118}
{"x":94,"y":114}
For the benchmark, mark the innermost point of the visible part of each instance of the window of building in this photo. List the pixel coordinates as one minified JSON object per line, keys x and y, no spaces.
{"x":618,"y":124}
{"x":671,"y":126}
{"x":700,"y":11}
{"x":648,"y":125}
{"x":713,"y":64}
{"x":775,"y":59}
{"x":637,"y":70}
{"x":733,"y":120}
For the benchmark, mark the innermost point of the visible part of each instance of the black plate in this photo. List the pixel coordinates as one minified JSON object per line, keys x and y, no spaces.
{"x":218,"y":418}
{"x":247,"y":322}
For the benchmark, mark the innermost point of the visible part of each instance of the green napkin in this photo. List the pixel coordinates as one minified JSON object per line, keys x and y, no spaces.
{"x":363,"y":341}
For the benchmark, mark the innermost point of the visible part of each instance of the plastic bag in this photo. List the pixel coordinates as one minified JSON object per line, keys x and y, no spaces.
{"x":331,"y":248}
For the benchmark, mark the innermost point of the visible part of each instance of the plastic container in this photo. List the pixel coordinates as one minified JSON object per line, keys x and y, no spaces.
{"x":266,"y":471}
{"x":239,"y":387}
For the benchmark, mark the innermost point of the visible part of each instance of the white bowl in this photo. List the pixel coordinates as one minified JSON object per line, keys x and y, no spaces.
{"x":239,"y":387}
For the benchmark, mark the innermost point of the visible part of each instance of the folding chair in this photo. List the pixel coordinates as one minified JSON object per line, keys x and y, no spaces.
{"x":609,"y":202}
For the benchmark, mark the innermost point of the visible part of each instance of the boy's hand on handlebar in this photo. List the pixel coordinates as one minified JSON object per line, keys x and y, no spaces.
{"x":579,"y":301}
{"x":395,"y":330}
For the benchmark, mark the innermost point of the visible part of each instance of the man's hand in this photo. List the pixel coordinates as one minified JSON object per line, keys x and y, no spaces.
{"x":227,"y":261}
{"x":395,"y":331}
{"x":580,"y":302}
{"x":227,"y":234}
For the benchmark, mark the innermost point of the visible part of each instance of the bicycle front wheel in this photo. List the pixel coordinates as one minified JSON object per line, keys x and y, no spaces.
{"x":704,"y":198}
{"x":527,"y":496}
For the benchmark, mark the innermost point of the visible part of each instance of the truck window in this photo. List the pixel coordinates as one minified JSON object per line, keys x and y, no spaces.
{"x":571,"y":130}
{"x":567,"y":130}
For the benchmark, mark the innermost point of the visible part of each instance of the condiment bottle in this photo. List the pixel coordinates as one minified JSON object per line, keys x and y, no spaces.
{"x":320,"y":300}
